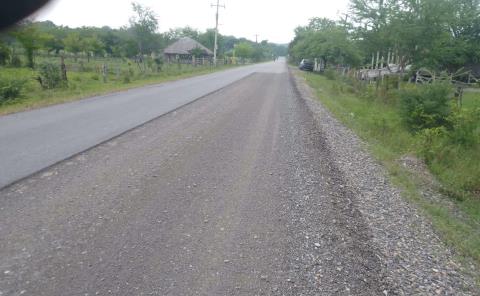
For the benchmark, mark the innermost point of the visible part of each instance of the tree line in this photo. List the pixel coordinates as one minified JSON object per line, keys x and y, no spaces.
{"x":140,"y":37}
{"x":437,"y":34}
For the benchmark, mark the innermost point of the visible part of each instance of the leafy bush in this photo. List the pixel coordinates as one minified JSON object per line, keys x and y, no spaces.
{"x":465,"y":127}
{"x":159,"y":63}
{"x":95,"y":77}
{"x":432,"y":141}
{"x":4,"y":54}
{"x":50,"y":76}
{"x":126,"y":77}
{"x":452,"y":154}
{"x":426,"y":106}
{"x":10,"y":89}
{"x":16,"y":62}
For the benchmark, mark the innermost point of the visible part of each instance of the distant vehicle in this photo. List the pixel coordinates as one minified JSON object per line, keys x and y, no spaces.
{"x":306,"y":65}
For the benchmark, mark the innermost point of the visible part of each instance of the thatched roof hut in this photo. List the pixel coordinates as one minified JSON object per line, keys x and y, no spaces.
{"x":183,"y":47}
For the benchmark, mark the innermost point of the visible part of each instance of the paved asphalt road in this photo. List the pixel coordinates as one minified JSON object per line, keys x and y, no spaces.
{"x":220,"y":197}
{"x":31,"y":141}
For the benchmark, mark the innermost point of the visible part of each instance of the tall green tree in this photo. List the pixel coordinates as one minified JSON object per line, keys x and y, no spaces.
{"x":326,"y":40}
{"x":93,"y":45}
{"x":74,"y":44}
{"x":31,"y":40}
{"x":244,"y":50}
{"x":143,"y":25}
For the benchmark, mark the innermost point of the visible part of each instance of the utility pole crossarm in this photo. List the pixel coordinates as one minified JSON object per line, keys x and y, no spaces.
{"x":215,"y":46}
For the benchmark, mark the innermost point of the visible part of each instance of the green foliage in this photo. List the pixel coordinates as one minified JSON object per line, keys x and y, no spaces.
{"x":452,"y":154}
{"x":426,"y":106}
{"x":31,"y":40}
{"x":127,"y":76}
{"x":52,"y":43}
{"x":208,"y":40}
{"x":5,"y":53}
{"x":438,"y":34}
{"x":431,"y":141}
{"x":197,"y":52}
{"x":93,"y":45}
{"x":73,"y":43}
{"x":144,"y":24}
{"x":243,"y":50}
{"x":325,"y":40}
{"x":177,"y":33}
{"x":466,"y":127}
{"x":10,"y":89}
{"x":158,"y":63}
{"x":16,"y":62}
{"x":452,"y":160}
{"x":331,"y":74}
{"x":49,"y":76}
{"x":140,"y":37}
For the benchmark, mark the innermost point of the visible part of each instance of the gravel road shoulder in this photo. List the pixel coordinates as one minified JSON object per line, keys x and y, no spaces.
{"x":415,"y":259}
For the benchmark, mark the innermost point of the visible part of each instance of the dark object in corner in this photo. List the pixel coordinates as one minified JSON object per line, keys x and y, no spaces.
{"x":13,"y":11}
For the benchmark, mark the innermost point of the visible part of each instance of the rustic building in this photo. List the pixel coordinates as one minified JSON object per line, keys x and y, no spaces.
{"x":183,"y":48}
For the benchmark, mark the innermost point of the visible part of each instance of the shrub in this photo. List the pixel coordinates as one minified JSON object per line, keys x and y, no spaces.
{"x":95,"y":77}
{"x":159,"y":63}
{"x":50,"y":76}
{"x":126,"y":77}
{"x":465,"y":127}
{"x":16,"y":62}
{"x":4,"y":54}
{"x":426,"y":106}
{"x":10,"y":89}
{"x":432,"y":141}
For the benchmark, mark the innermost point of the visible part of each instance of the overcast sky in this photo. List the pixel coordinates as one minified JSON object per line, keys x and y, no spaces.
{"x":273,"y":20}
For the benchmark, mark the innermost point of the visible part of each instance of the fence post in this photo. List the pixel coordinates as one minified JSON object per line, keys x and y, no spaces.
{"x":104,"y":72}
{"x":63,"y":68}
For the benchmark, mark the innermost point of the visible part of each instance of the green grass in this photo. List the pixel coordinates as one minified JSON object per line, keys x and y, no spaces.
{"x":90,"y":83}
{"x":471,"y":100}
{"x":377,"y":121}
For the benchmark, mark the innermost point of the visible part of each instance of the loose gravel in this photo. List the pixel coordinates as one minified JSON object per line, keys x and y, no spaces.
{"x":253,"y":190}
{"x":414,"y":260}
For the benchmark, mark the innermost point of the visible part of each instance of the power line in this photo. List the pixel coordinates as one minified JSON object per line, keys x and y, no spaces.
{"x":215,"y":46}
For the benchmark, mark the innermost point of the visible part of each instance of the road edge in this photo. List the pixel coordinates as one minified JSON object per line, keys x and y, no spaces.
{"x":410,"y":214}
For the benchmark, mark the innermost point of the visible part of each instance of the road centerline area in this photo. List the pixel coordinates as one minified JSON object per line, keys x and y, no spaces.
{"x":33,"y":140}
{"x":202,"y":201}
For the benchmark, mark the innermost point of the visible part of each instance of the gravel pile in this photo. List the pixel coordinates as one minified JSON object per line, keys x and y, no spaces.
{"x":413,"y":258}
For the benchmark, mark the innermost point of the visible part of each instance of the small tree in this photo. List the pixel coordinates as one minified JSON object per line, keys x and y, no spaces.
{"x":426,"y":106}
{"x":5,"y":53}
{"x":243,"y":50}
{"x":73,"y":44}
{"x":93,"y":45}
{"x":197,"y":52}
{"x":143,"y":25}
{"x":30,"y":39}
{"x":50,"y":76}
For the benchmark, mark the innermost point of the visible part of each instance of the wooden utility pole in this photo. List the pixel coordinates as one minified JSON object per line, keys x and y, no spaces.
{"x":215,"y":46}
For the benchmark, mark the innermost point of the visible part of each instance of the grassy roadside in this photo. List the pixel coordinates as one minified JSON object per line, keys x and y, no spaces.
{"x":379,"y":125}
{"x":86,"y":84}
